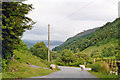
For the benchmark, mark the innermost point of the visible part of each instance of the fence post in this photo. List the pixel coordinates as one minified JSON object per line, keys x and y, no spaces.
{"x":108,"y":61}
{"x":105,"y":60}
{"x":111,"y":65}
{"x":118,"y":64}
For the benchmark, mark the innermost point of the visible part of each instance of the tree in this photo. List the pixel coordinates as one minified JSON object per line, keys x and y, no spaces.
{"x":40,"y":50}
{"x":117,"y":56}
{"x":22,"y":46}
{"x":55,"y":55}
{"x":67,"y":56}
{"x":14,"y":23}
{"x":82,"y":56}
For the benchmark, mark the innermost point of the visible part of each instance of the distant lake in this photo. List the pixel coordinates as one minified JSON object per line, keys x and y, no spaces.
{"x":53,"y":44}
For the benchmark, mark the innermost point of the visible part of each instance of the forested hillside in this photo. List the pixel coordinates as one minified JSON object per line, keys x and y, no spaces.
{"x":75,"y":38}
{"x":101,"y":36}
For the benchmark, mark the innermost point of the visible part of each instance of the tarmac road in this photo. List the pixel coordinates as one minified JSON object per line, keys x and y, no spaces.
{"x":66,"y":73}
{"x":69,"y":72}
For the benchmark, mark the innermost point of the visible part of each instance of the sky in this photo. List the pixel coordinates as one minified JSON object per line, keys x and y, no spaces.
{"x":68,"y":17}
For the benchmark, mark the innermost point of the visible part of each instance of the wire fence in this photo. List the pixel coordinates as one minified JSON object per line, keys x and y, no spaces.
{"x":114,"y":65}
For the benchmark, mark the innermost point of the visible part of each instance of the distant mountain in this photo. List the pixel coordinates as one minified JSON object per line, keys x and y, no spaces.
{"x":94,"y":37}
{"x":86,"y":32}
{"x":33,"y":42}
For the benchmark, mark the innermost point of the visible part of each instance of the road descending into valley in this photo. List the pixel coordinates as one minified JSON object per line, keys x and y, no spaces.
{"x":67,"y":73}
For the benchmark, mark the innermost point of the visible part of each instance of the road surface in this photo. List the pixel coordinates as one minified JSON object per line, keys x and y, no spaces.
{"x":69,"y":72}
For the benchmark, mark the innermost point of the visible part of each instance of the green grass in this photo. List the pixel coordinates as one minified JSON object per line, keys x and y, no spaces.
{"x":103,"y":76}
{"x":26,"y":73}
{"x":91,"y":49}
{"x":23,"y":70}
{"x":112,"y":57}
{"x":0,"y":76}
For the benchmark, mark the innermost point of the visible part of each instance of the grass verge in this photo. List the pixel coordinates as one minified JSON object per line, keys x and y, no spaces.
{"x":0,"y":76}
{"x":20,"y":69}
{"x":103,"y":76}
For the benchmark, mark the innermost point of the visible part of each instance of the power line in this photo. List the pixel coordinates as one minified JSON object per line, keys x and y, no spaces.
{"x":80,"y":9}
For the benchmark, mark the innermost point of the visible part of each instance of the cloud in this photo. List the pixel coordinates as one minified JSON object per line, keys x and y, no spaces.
{"x":96,"y":12}
{"x":69,"y":17}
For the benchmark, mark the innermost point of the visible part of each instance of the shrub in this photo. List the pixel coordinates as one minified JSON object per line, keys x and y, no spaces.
{"x":101,"y":67}
{"x":40,"y":50}
{"x":4,"y":64}
{"x":60,"y":64}
{"x":96,"y":67}
{"x":76,"y":64}
{"x":117,"y":56}
{"x":90,"y":61}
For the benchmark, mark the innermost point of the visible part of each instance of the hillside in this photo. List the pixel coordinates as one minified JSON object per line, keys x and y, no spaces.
{"x":20,"y":69}
{"x":33,"y":42}
{"x":75,"y":38}
{"x":101,"y":36}
{"x":108,"y":50}
{"x":86,"y":32}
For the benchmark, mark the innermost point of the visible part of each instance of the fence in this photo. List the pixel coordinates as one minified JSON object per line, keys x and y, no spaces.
{"x":114,"y":65}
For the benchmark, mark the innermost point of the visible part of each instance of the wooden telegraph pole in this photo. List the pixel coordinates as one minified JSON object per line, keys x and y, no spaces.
{"x":48,"y":42}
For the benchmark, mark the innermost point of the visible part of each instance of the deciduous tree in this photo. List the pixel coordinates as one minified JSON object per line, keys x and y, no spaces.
{"x":14,"y":23}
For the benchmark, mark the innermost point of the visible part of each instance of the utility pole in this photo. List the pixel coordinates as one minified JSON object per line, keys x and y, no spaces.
{"x":48,"y":42}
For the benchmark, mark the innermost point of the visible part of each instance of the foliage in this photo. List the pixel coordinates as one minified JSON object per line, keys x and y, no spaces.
{"x":110,"y":51}
{"x":40,"y":50}
{"x":4,"y":65}
{"x":14,"y":23}
{"x":22,"y":46}
{"x":96,"y":67}
{"x":95,"y":54}
{"x":100,"y":37}
{"x":81,"y":56}
{"x":117,"y":56}
{"x":97,"y":51}
{"x":118,"y":53}
{"x":55,"y":55}
{"x":76,"y":64}
{"x":101,"y":43}
{"x":67,"y":56}
{"x":101,"y":67}
{"x":75,"y":38}
{"x":60,"y":63}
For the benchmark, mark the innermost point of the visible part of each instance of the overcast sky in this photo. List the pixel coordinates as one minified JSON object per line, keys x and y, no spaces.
{"x":68,"y":17}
